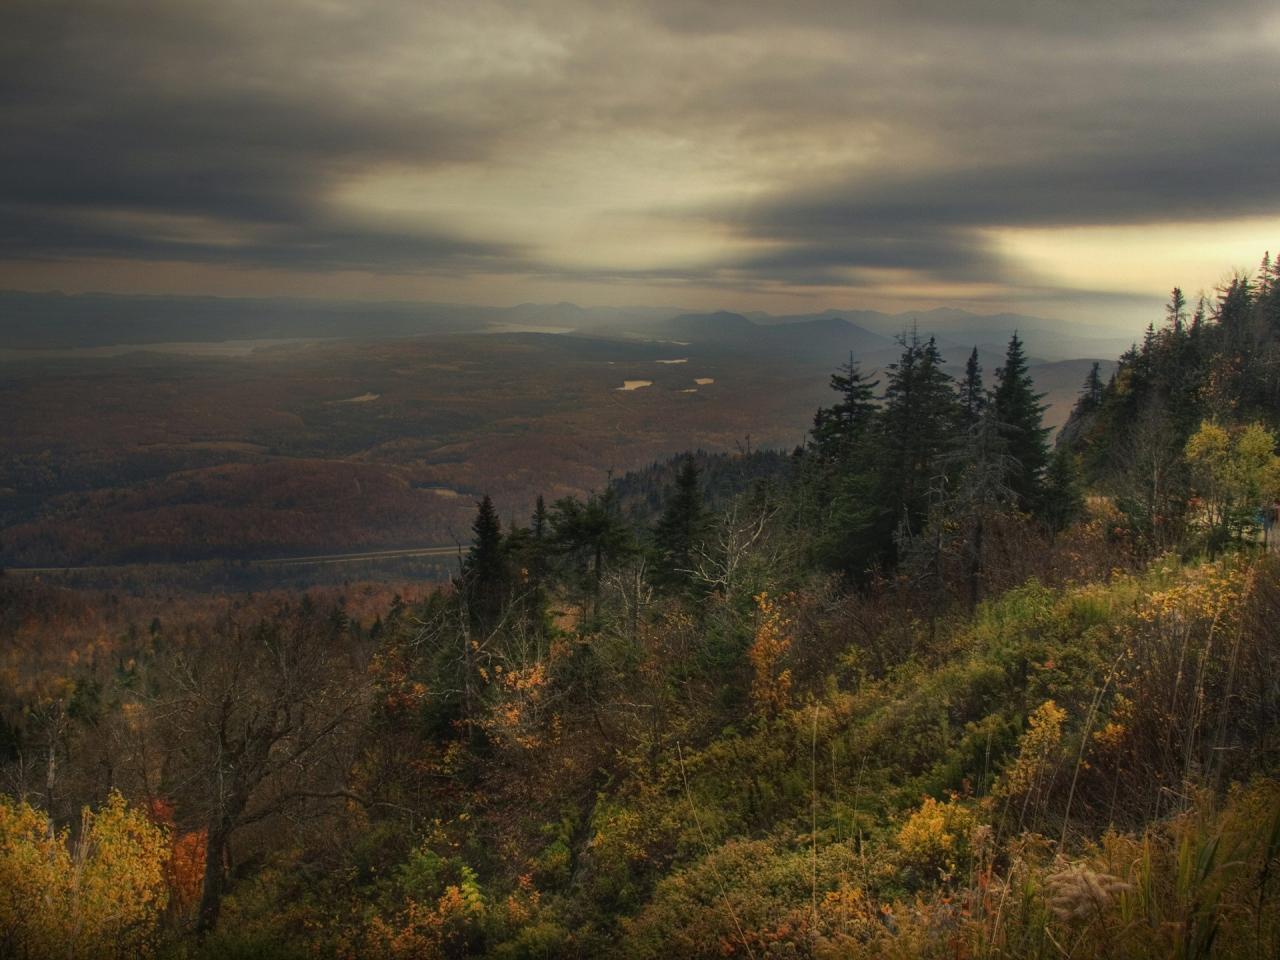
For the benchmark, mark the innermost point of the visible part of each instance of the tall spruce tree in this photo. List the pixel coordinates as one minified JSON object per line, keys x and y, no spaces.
{"x":589,"y":536}
{"x":973,"y":397}
{"x":1062,"y":499}
{"x":539,"y":543}
{"x":837,"y":428}
{"x":1232,"y":314}
{"x":1176,"y":311}
{"x":680,"y":528}
{"x":528,"y":555}
{"x":976,"y":494}
{"x":1077,"y":433}
{"x":1018,"y":409}
{"x":918,"y":424}
{"x":1091,"y":395}
{"x":484,"y":567}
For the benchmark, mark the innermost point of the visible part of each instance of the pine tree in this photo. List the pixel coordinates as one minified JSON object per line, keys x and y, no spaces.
{"x":1063,"y":498}
{"x":1176,"y":311}
{"x":979,"y":492}
{"x":1019,"y":411}
{"x":1091,"y":395}
{"x":590,"y":535}
{"x":1078,"y":431}
{"x":1146,"y":354}
{"x":917,"y":427}
{"x":1269,"y":295}
{"x":681,"y":526}
{"x":538,"y":563}
{"x":1197,"y":319}
{"x":539,"y":525}
{"x":837,"y":428}
{"x":484,"y":567}
{"x":972,"y":396}
{"x":527,"y":551}
{"x":1233,"y":313}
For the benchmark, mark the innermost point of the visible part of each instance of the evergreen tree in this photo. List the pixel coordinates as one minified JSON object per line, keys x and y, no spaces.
{"x":538,"y":563}
{"x":1197,"y":319}
{"x":978,"y":493}
{"x":681,"y":526}
{"x":1077,"y":433}
{"x":837,"y":428}
{"x":1146,"y":354}
{"x":528,"y":555}
{"x":1269,"y":295}
{"x":484,"y":567}
{"x":1091,"y":395}
{"x":972,"y":396}
{"x":589,"y":535}
{"x":1063,"y":498}
{"x":1233,"y":314}
{"x":1019,"y":411}
{"x":539,"y":525}
{"x":1176,"y":311}
{"x":917,"y":427}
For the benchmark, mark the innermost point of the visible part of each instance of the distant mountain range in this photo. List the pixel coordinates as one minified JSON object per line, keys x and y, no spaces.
{"x":954,"y":327}
{"x":869,"y":335}
{"x":819,"y":339}
{"x":54,"y":321}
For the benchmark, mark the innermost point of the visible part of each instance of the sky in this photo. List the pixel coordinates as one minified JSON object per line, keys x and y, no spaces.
{"x":1072,"y":159}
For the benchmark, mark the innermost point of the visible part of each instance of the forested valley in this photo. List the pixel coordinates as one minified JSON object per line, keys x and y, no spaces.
{"x":928,"y":685}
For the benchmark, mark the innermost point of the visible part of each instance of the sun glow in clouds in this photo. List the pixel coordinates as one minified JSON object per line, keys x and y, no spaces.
{"x":674,"y":152}
{"x":1142,"y":259}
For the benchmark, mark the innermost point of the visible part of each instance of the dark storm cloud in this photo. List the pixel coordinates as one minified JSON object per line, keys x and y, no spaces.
{"x":932,"y":221}
{"x":862,"y":136}
{"x":136,"y":107}
{"x":1072,"y":19}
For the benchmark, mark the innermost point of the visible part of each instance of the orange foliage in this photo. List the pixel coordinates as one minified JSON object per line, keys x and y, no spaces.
{"x":184,"y":870}
{"x":445,"y":929}
{"x":771,"y":686}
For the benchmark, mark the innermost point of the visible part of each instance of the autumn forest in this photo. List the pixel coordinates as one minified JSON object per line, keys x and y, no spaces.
{"x":933,"y":679}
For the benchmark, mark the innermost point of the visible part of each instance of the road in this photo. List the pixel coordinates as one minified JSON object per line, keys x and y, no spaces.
{"x":314,"y":559}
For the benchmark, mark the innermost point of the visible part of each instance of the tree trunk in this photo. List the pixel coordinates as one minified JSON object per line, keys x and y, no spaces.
{"x":468,"y":666}
{"x":975,"y":567}
{"x":214,"y":878}
{"x":599,"y":572}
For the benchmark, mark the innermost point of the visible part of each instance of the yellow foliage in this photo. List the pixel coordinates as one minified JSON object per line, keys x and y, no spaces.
{"x":518,"y":716}
{"x":1233,"y":469}
{"x":422,"y":931}
{"x":99,"y":896}
{"x":1207,"y":593}
{"x":937,"y":836}
{"x":771,"y":686}
{"x":1036,"y":750}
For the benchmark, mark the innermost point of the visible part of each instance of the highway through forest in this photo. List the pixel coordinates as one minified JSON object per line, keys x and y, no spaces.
{"x":316,"y":559}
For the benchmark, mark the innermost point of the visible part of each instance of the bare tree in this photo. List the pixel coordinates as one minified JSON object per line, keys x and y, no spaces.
{"x":718,"y":561}
{"x":257,"y":723}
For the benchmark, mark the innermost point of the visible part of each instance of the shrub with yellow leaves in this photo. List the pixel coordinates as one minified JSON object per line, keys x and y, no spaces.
{"x":1038,"y":751}
{"x":100,"y":895}
{"x":936,"y":837}
{"x":453,"y":926}
{"x":771,"y":685}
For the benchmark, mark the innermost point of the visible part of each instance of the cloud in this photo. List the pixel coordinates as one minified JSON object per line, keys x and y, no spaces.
{"x":812,"y":144}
